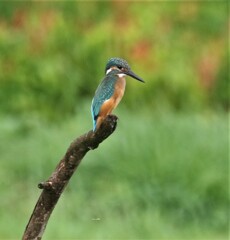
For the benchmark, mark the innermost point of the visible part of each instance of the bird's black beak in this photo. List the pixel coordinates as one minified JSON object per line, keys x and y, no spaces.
{"x":133,"y":75}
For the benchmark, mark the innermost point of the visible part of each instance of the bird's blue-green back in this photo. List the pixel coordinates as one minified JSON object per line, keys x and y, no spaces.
{"x":104,"y":92}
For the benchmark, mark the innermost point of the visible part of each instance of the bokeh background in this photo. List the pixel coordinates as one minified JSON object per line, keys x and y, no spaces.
{"x":164,"y":173}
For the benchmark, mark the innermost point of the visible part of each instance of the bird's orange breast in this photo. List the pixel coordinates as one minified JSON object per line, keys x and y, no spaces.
{"x":119,"y":90}
{"x":110,"y":104}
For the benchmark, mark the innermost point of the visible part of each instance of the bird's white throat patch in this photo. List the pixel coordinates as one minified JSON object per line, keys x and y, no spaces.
{"x":120,"y":75}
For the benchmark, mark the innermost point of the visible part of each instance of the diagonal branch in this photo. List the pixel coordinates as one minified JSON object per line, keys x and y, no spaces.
{"x":54,"y":186}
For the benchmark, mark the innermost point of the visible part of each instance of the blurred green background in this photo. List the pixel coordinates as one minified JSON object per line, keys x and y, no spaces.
{"x":164,"y":173}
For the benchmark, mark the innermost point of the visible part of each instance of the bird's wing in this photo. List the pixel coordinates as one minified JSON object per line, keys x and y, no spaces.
{"x":104,"y":92}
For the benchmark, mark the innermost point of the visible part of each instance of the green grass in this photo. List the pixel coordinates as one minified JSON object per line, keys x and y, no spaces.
{"x":159,"y":176}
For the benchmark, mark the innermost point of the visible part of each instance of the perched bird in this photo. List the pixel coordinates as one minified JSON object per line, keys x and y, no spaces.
{"x":111,"y":90}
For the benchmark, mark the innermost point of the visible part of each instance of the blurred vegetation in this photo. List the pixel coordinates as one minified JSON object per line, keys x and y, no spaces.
{"x":163,"y":174}
{"x":53,"y":54}
{"x":166,"y":180}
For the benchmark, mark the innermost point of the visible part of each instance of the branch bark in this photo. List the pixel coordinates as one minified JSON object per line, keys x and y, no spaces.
{"x":54,"y":186}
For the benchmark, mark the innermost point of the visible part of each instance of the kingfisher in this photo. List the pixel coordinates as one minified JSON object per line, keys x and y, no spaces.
{"x":111,"y":89}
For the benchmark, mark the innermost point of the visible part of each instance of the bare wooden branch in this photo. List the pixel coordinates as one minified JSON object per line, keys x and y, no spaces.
{"x":54,"y":186}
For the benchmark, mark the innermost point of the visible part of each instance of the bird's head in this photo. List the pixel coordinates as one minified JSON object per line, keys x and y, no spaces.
{"x":122,"y":66}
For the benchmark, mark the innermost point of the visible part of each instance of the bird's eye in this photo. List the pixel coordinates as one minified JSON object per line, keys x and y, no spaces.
{"x":120,"y":67}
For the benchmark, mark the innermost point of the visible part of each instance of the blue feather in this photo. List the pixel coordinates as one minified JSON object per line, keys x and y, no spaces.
{"x":93,"y":116}
{"x":104,"y":92}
